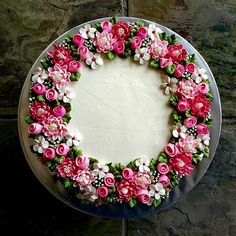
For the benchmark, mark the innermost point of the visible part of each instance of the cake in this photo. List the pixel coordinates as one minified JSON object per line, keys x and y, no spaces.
{"x":119,"y":112}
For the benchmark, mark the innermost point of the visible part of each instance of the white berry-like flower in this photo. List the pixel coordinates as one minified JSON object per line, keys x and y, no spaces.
{"x":73,"y":138}
{"x":199,"y":75}
{"x":39,"y":76}
{"x":100,"y":170}
{"x":154,"y":31}
{"x":95,"y":61}
{"x":65,"y":94}
{"x":87,"y":32}
{"x":41,"y":144}
{"x":157,"y":190}
{"x":169,"y":84}
{"x":142,"y":55}
{"x":142,"y":163}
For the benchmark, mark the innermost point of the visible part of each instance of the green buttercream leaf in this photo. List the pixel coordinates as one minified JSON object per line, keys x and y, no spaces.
{"x":163,"y":157}
{"x":209,"y":97}
{"x":156,"y":202}
{"x":170,"y":69}
{"x":139,"y":24}
{"x":40,"y":98}
{"x":58,"y":159}
{"x":67,"y":182}
{"x":114,"y":20}
{"x":154,"y":64}
{"x":111,"y":55}
{"x":132,"y":202}
{"x":68,"y":38}
{"x":29,"y":120}
{"x":173,"y":100}
{"x":77,"y":151}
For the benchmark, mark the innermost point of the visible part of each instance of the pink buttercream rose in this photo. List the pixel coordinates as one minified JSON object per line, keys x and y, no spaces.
{"x":35,"y":128}
{"x":78,"y":40}
{"x":182,"y":105}
{"x":82,"y":162}
{"x":203,"y":88}
{"x":190,"y":122}
{"x":164,"y":180}
{"x":142,"y":32}
{"x":102,"y":191}
{"x":109,"y":180}
{"x":202,"y":129}
{"x":106,"y":25}
{"x":62,"y":149}
{"x":163,"y":168}
{"x":136,"y":42}
{"x":143,"y":196}
{"x":127,"y":173}
{"x":51,"y":94}
{"x":164,"y":62}
{"x":179,"y":70}
{"x":49,"y":153}
{"x":39,"y":89}
{"x":59,"y":111}
{"x":171,"y":150}
{"x":190,"y":67}
{"x":83,"y":52}
{"x":118,"y":47}
{"x":74,"y":66}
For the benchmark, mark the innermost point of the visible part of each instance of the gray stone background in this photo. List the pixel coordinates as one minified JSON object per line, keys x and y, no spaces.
{"x":26,"y":28}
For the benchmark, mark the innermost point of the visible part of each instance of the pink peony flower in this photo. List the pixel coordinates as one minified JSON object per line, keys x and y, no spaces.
{"x":59,"y":75}
{"x":177,"y":53}
{"x":142,"y":180}
{"x":158,"y":49}
{"x":187,"y":89}
{"x":62,"y":149}
{"x":104,"y":41}
{"x":136,"y":42}
{"x":142,"y":32}
{"x":182,"y":105}
{"x":39,"y":89}
{"x":182,"y":164}
{"x":109,"y":180}
{"x":143,"y":196}
{"x":67,"y":168}
{"x":49,"y":153}
{"x":164,"y":62}
{"x":163,"y":168}
{"x":102,"y":191}
{"x":106,"y":25}
{"x":54,"y":128}
{"x":164,"y":180}
{"x":179,"y":70}
{"x":202,"y":129}
{"x":190,"y":122}
{"x":40,"y":111}
{"x":121,"y":30}
{"x":51,"y":94}
{"x":83,"y":178}
{"x":82,"y":162}
{"x":78,"y":40}
{"x":190,"y":67}
{"x":171,"y":150}
{"x":187,"y":145}
{"x":126,"y":190}
{"x":127,"y":173}
{"x":118,"y":47}
{"x":200,"y":106}
{"x":83,"y":52}
{"x":35,"y":128}
{"x":60,"y":55}
{"x":59,"y":111}
{"x":74,"y":66}
{"x":203,"y":88}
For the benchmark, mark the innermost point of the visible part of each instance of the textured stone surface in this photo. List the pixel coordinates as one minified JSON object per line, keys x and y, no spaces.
{"x":26,"y":28}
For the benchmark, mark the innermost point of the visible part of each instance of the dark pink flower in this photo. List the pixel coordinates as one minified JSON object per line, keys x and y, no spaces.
{"x":40,"y":111}
{"x":62,"y":149}
{"x":179,"y":70}
{"x":49,"y":153}
{"x":200,"y":106}
{"x":82,"y":162}
{"x":202,"y":129}
{"x":106,"y":25}
{"x":164,"y":62}
{"x":164,"y":180}
{"x":136,"y":42}
{"x":142,"y":32}
{"x":59,"y":111}
{"x":126,"y":190}
{"x":190,"y":67}
{"x":67,"y":168}
{"x":109,"y":180}
{"x":51,"y":94}
{"x":74,"y":66}
{"x":177,"y":53}
{"x":118,"y":47}
{"x":203,"y":88}
{"x":190,"y":122}
{"x":182,"y":105}
{"x":121,"y":31}
{"x":143,"y":196}
{"x":35,"y":128}
{"x":127,"y":173}
{"x":163,"y":168}
{"x":83,"y":52}
{"x":171,"y":150}
{"x":102,"y":191}
{"x":39,"y":89}
{"x":78,"y":40}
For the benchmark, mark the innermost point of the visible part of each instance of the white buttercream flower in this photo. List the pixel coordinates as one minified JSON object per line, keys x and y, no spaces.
{"x":203,"y":141}
{"x":179,"y":131}
{"x":157,"y":190}
{"x":154,"y":31}
{"x":142,"y":55}
{"x":199,"y":75}
{"x":39,"y":76}
{"x":95,"y":61}
{"x":73,"y":138}
{"x":89,"y":194}
{"x":41,"y":144}
{"x":87,"y":32}
{"x":65,"y":94}
{"x":142,"y":163}
{"x":100,"y":170}
{"x":169,"y":84}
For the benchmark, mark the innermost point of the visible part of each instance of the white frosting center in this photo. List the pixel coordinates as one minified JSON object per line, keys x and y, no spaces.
{"x":120,"y":111}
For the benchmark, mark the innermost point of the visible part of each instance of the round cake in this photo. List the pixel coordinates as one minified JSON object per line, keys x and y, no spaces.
{"x":119,"y":112}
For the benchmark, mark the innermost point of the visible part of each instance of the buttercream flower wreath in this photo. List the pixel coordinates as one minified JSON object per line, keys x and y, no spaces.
{"x":142,"y":180}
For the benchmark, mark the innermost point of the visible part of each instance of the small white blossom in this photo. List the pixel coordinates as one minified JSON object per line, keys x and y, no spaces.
{"x":73,"y":138}
{"x":41,"y":144}
{"x":203,"y":141}
{"x":39,"y":76}
{"x":89,"y":194}
{"x":100,"y":170}
{"x":87,"y":32}
{"x":142,"y":163}
{"x":142,"y":55}
{"x":199,"y":75}
{"x":169,"y":84}
{"x":157,"y":190}
{"x":179,"y":131}
{"x":65,"y":94}
{"x":95,"y":61}
{"x":154,"y":31}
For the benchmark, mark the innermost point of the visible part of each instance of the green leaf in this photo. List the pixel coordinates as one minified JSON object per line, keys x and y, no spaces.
{"x":67,"y":182}
{"x":111,"y":55}
{"x":114,"y":20}
{"x":29,"y":120}
{"x":92,"y":160}
{"x":58,"y":159}
{"x":132,"y":202}
{"x":75,"y":76}
{"x":109,"y":199}
{"x":206,"y":152}
{"x":132,"y":164}
{"x":173,"y":100}
{"x":40,"y":98}
{"x":187,"y":113}
{"x":209,"y":96}
{"x":48,"y":164}
{"x":173,"y":39}
{"x":176,"y":116}
{"x":154,"y":64}
{"x":156,"y":202}
{"x":163,"y":157}
{"x":68,"y":38}
{"x":78,"y":152}
{"x":84,"y":202}
{"x":170,"y":69}
{"x":140,"y":24}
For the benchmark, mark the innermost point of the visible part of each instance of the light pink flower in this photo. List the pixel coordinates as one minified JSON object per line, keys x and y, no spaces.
{"x":164,"y":180}
{"x":35,"y":128}
{"x":49,"y":153}
{"x":39,"y":76}
{"x":51,"y":94}
{"x":158,"y":49}
{"x":83,"y":52}
{"x":39,"y":89}
{"x":67,"y":168}
{"x":83,"y":178}
{"x":142,"y":180}
{"x":187,"y":145}
{"x":136,"y":42}
{"x":78,"y":40}
{"x":104,"y":41}
{"x":59,"y":111}
{"x":190,"y":122}
{"x":179,"y":70}
{"x":102,"y":191}
{"x":74,"y":66}
{"x":109,"y":180}
{"x":82,"y":162}
{"x":171,"y":150}
{"x":187,"y":89}
{"x":126,"y":190}
{"x":118,"y":47}
{"x":54,"y":128}
{"x":142,"y":32}
{"x":106,"y":25}
{"x":143,"y":196}
{"x":182,"y":105}
{"x":127,"y":173}
{"x":203,"y":88}
{"x":163,"y":168}
{"x":202,"y":129}
{"x":62,"y":149}
{"x":164,"y":62}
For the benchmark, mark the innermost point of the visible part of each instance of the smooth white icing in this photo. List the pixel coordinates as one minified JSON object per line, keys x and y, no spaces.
{"x":121,"y":111}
